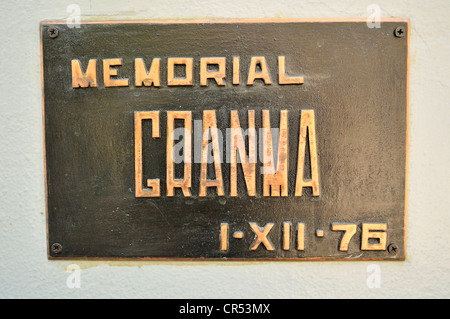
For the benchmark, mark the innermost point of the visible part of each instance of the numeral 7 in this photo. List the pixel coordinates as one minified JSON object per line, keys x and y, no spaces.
{"x":349,"y":230}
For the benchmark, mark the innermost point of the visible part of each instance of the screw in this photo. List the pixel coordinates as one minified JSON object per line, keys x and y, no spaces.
{"x":53,"y":32}
{"x":392,"y":249}
{"x":56,"y":248}
{"x":400,"y":32}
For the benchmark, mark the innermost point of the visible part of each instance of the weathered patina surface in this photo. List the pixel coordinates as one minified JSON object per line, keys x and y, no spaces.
{"x":335,"y":92}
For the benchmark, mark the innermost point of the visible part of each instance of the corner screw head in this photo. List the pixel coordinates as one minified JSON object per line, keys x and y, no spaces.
{"x":400,"y":32}
{"x":393,"y":249}
{"x":53,"y":32}
{"x":56,"y":248}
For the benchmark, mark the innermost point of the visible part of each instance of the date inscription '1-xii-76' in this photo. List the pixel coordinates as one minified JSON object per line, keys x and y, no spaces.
{"x":275,"y":180}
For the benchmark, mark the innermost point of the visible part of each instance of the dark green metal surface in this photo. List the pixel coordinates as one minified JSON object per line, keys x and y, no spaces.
{"x":355,"y":81}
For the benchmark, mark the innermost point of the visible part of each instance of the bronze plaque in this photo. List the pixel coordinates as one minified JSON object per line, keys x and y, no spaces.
{"x":228,"y":140}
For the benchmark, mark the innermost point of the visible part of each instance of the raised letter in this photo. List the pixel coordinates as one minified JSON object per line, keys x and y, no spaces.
{"x":275,"y":179}
{"x":261,"y":236}
{"x":282,"y":78}
{"x":373,"y":231}
{"x":108,"y":72}
{"x":153,"y":184}
{"x":144,"y":77}
{"x":236,"y":70}
{"x":238,"y":144}
{"x":286,"y":235}
{"x":349,"y":230}
{"x":216,"y":75}
{"x":171,"y":79}
{"x":84,"y":80}
{"x":224,"y":236}
{"x":209,"y":124}
{"x":300,"y":236}
{"x":184,"y":183}
{"x":307,"y":124}
{"x":264,"y":74}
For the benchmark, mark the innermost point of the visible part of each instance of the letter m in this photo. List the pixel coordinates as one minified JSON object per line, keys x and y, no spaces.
{"x":81,"y":79}
{"x":257,"y":308}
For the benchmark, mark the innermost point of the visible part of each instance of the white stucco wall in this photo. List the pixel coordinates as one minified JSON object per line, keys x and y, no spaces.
{"x":24,"y":268}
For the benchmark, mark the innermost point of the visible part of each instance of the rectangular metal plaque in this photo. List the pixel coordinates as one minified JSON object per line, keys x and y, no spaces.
{"x":235,"y":139}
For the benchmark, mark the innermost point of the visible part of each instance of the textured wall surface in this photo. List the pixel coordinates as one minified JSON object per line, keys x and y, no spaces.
{"x":25,"y":271}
